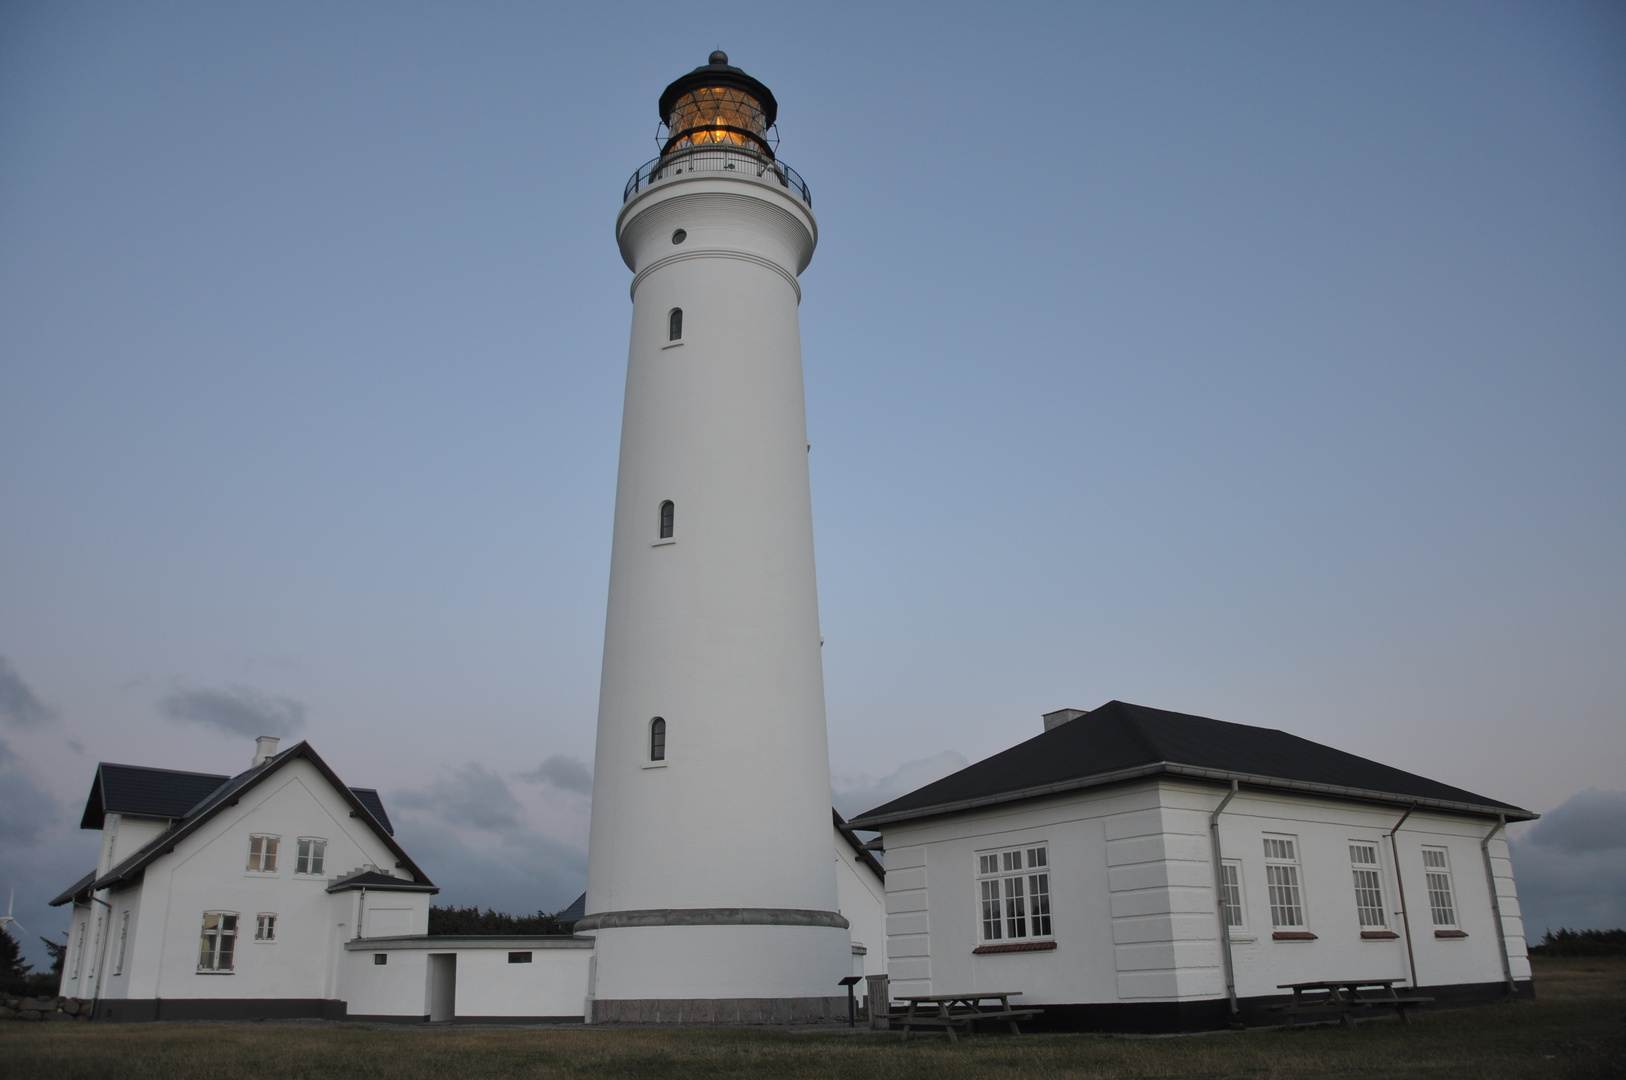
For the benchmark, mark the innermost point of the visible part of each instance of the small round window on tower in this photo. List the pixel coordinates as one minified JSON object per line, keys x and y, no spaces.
{"x":679,"y":236}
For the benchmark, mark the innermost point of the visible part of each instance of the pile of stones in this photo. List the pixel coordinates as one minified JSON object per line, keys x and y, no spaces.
{"x":43,"y":1008}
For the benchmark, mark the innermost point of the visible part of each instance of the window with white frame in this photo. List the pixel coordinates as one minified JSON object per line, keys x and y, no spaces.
{"x":1437,"y":873}
{"x":1282,"y":878}
{"x":1014,"y":889}
{"x":262,"y":854}
{"x":1231,"y":893}
{"x":310,"y":853}
{"x":218,"y":944}
{"x":265,"y":926}
{"x":124,"y":937}
{"x":1363,"y":863}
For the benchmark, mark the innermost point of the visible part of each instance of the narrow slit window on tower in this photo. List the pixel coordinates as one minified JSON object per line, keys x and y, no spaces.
{"x":667,"y":514}
{"x":674,"y":325}
{"x":657,"y":739}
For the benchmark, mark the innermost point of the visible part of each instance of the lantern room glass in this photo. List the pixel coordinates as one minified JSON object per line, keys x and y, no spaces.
{"x":717,"y":114}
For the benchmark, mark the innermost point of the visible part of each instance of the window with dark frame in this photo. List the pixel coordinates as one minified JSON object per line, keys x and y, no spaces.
{"x":519,"y":958}
{"x":674,"y":325}
{"x":668,"y":519}
{"x":657,"y":739}
{"x":380,"y":958}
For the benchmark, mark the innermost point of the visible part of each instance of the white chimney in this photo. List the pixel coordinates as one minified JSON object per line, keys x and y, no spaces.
{"x":1061,"y":716}
{"x":264,"y":747}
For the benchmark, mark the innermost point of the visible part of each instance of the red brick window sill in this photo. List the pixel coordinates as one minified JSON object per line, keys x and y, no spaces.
{"x":1293,"y":935}
{"x":1016,"y":946}
{"x":1378,"y":935}
{"x":1450,"y":933}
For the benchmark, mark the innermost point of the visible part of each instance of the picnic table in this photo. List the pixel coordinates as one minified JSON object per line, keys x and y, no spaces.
{"x":949,"y":1011}
{"x":1344,"y":998}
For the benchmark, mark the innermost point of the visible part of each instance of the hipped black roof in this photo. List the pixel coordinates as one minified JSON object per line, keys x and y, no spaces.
{"x":1120,"y":742}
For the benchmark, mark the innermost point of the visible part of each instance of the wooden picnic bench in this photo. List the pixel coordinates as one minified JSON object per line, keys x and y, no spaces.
{"x":1344,"y":998}
{"x":946,"y":1012}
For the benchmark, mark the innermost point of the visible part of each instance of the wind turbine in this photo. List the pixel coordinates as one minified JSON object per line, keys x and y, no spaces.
{"x":6,"y":920}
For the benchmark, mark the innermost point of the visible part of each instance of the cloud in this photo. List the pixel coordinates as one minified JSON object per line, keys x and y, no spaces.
{"x":27,"y":811}
{"x":854,"y":795}
{"x":17,"y":702}
{"x":1571,"y":865}
{"x":563,"y":772}
{"x":237,"y":710}
{"x":472,"y":797}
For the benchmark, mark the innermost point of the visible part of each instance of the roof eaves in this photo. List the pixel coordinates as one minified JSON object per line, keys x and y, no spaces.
{"x":865,"y":855}
{"x":72,"y":891}
{"x":1224,"y":776}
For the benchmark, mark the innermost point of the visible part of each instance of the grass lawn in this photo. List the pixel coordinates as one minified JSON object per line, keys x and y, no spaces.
{"x":1576,"y":1028}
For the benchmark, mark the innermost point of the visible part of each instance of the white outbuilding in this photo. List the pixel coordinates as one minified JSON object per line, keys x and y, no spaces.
{"x":1136,"y":869}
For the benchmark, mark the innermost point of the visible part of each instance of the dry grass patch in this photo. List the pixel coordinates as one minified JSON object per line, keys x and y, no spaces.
{"x":1577,"y":1028}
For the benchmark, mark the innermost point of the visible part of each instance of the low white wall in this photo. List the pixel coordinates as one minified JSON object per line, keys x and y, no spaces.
{"x":553,"y":984}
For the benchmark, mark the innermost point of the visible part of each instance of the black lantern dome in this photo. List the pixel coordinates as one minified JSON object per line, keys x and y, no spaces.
{"x":716,"y":104}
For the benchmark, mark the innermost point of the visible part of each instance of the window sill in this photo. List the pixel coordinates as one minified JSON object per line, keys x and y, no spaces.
{"x":1292,"y":935}
{"x":1243,"y":939}
{"x":654,"y":765}
{"x":1450,"y":933}
{"x":1015,"y":946}
{"x":217,"y":972}
{"x":663,"y":543}
{"x":1379,"y":935}
{"x":671,"y":345}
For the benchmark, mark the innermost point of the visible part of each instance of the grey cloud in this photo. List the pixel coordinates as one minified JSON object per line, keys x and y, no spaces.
{"x":237,"y":710}
{"x":472,"y":796}
{"x":854,"y":795}
{"x":1570,"y":866}
{"x":1591,"y":821}
{"x":519,"y":871}
{"x":18,"y":704}
{"x":27,"y":811}
{"x":563,"y":772}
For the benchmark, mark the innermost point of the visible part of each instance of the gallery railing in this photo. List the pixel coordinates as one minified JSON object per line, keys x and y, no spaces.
{"x":718,"y":158}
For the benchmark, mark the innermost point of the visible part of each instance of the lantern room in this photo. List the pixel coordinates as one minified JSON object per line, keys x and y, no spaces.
{"x":718,"y":104}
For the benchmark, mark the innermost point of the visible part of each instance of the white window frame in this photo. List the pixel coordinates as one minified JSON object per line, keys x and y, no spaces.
{"x":1285,"y":883}
{"x":263,"y":849}
{"x":1232,"y":869}
{"x":265,"y":927}
{"x":1437,"y":873}
{"x":1016,"y":882}
{"x":124,"y":937}
{"x":1366,"y":877}
{"x":310,"y":859}
{"x":212,"y":937}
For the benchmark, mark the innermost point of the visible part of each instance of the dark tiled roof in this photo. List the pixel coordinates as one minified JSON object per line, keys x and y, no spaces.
{"x":144,"y":792}
{"x":863,"y":854}
{"x":569,"y":916}
{"x":72,"y":892}
{"x":227,"y":794}
{"x":373,"y":879}
{"x":375,"y":806}
{"x":1120,"y":741}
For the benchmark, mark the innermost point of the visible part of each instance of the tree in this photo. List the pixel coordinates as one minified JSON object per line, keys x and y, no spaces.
{"x":13,"y":968}
{"x":58,"y":951}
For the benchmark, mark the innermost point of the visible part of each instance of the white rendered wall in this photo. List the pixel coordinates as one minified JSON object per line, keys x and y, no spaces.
{"x":1132,"y":897}
{"x":553,"y":984}
{"x":718,"y":633}
{"x":862,"y":896}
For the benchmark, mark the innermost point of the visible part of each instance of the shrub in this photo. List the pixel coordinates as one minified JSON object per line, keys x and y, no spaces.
{"x":1581,"y":943}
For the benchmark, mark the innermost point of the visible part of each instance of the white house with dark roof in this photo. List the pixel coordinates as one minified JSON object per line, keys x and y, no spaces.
{"x":1136,"y":869}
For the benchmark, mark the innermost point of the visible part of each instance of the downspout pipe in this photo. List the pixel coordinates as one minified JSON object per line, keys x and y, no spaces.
{"x":1496,"y":902}
{"x":1219,"y":897}
{"x":1400,"y":883}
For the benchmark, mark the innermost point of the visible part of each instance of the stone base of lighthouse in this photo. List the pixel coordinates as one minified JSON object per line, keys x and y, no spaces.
{"x":719,"y":974}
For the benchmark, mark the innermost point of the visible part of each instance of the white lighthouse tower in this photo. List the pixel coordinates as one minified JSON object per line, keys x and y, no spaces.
{"x":710,"y":883}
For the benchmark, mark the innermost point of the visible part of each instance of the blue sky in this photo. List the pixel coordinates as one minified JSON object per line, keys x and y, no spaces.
{"x":1257,"y":361}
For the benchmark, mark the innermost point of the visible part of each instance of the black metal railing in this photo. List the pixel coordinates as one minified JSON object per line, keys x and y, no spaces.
{"x":718,"y":158}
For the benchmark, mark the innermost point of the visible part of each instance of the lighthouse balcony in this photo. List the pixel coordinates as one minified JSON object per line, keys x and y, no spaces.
{"x":721,"y":159}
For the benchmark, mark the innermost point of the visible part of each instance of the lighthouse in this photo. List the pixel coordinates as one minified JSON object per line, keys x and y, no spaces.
{"x":710,"y":885}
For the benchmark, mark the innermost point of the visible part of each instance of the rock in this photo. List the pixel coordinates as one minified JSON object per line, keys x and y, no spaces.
{"x":28,"y":1014}
{"x":38,"y":1004}
{"x":7,"y":1012}
{"x":69,"y":1006}
{"x":54,"y":1015}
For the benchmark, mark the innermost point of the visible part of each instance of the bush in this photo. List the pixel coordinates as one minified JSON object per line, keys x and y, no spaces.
{"x":1581,"y":943}
{"x":471,"y":920}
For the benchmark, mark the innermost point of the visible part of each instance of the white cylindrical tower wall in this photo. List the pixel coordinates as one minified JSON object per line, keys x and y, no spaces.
{"x":709,"y":873}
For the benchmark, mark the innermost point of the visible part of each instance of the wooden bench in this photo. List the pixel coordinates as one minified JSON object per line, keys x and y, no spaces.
{"x":1344,"y":998}
{"x":946,"y":1012}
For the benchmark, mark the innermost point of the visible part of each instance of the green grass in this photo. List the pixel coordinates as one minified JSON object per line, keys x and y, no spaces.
{"x":1577,"y":1027}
